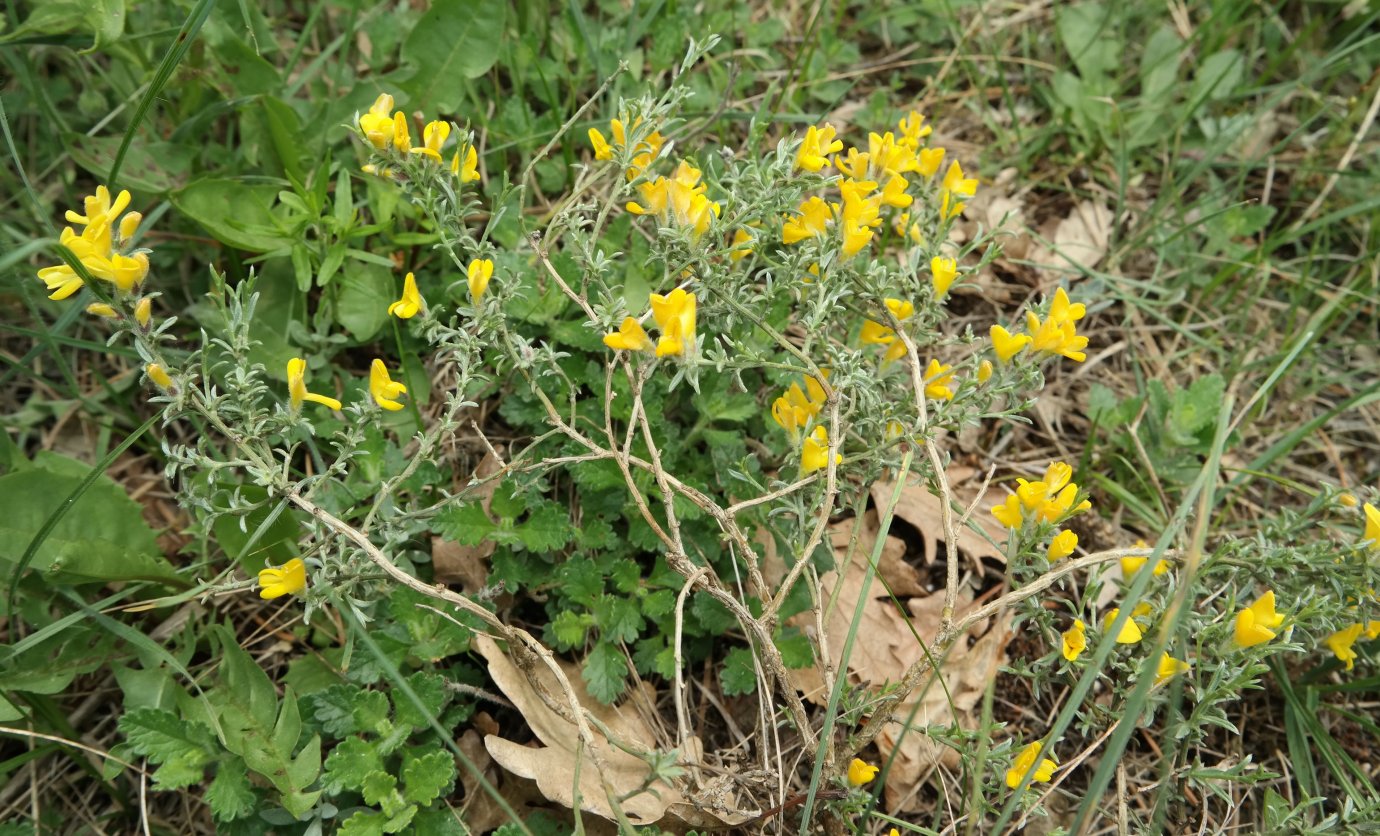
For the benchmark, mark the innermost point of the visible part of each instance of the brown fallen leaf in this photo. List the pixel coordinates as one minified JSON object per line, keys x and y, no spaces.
{"x":468,"y":565}
{"x":924,"y":511}
{"x":1078,"y":241}
{"x":553,"y":765}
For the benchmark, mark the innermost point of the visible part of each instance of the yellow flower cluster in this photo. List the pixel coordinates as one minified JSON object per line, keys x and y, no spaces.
{"x":875,"y":333}
{"x":385,"y":129}
{"x":1028,"y":763}
{"x":103,"y":253}
{"x":675,"y":316}
{"x":1256,"y":624}
{"x":1075,"y":640}
{"x":1050,"y":499}
{"x":382,"y":388}
{"x":644,"y":153}
{"x":679,"y":200}
{"x":1056,"y":335}
{"x":793,"y":410}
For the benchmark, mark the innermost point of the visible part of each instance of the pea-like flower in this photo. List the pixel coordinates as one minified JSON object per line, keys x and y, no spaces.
{"x":815,"y":149}
{"x":875,"y":333}
{"x":943,"y":271}
{"x":434,"y":136}
{"x":143,"y":312}
{"x":793,"y":410}
{"x":913,"y":129}
{"x":1130,"y":632}
{"x":466,"y":168}
{"x":984,"y":371}
{"x":1062,"y":545}
{"x":288,"y":579}
{"x":680,"y":200}
{"x":103,"y":255}
{"x":644,"y":154}
{"x":1057,"y":335}
{"x":1341,"y":644}
{"x":402,"y":133}
{"x":628,"y":337}
{"x":1168,"y":668}
{"x":377,"y":124}
{"x":1075,"y":640}
{"x":1131,"y":565}
{"x":814,"y":454}
{"x":383,"y":388}
{"x":159,"y":376}
{"x":954,"y":190}
{"x":411,"y":302}
{"x":479,"y":273}
{"x":1006,"y":344}
{"x":811,"y":221}
{"x":297,"y":387}
{"x":1029,"y":763}
{"x":675,"y":316}
{"x":860,"y":772}
{"x":101,"y":309}
{"x":938,"y":379}
{"x":1256,"y":623}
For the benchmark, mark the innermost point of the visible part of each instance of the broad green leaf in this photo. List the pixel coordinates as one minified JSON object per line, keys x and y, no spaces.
{"x":102,"y":538}
{"x":795,"y":647}
{"x":104,"y":19}
{"x":50,"y":665}
{"x":546,"y":529}
{"x":152,"y":167}
{"x":230,"y":794}
{"x":605,"y":672}
{"x":425,"y":777}
{"x":1159,"y":66}
{"x":454,"y":40}
{"x":618,"y":618}
{"x":350,"y":762}
{"x":467,"y":525}
{"x":738,"y":676}
{"x":366,"y":290}
{"x":1089,"y":36}
{"x":238,"y":213}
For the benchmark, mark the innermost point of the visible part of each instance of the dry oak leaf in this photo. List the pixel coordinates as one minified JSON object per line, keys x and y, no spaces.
{"x":925,"y":512}
{"x":553,"y":765}
{"x":469,"y":565}
{"x":1078,"y":241}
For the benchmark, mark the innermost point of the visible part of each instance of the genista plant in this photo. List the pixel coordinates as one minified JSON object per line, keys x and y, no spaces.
{"x":704,"y":355}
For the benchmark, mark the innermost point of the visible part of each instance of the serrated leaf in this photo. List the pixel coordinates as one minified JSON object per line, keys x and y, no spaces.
{"x":796,"y":650}
{"x":426,"y":776}
{"x":546,"y":529}
{"x":160,"y":735}
{"x":580,"y":580}
{"x":353,"y":759}
{"x":427,"y":634}
{"x":467,"y":524}
{"x":381,"y":790}
{"x":371,"y":711}
{"x":618,"y":618}
{"x":605,"y":672}
{"x":334,"y":709}
{"x":711,"y":616}
{"x":738,"y":675}
{"x":430,"y":688}
{"x":230,"y":794}
{"x":570,"y":628}
{"x":363,"y":823}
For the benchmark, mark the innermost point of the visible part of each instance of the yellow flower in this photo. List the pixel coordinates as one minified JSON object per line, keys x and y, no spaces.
{"x":1057,"y":334}
{"x":984,"y":371}
{"x":1347,"y":499}
{"x":894,"y":193}
{"x":1062,"y":545}
{"x":468,"y":171}
{"x":402,"y":134}
{"x":1009,"y":512}
{"x":814,"y":455}
{"x":1131,"y":565}
{"x":679,"y":200}
{"x":1341,"y":643}
{"x":1075,"y":640}
{"x":904,"y":228}
{"x":602,"y":149}
{"x":860,"y":772}
{"x":411,"y":302}
{"x":675,"y":316}
{"x":954,"y":190}
{"x":288,"y":579}
{"x":1057,"y":476}
{"x":1254,"y":624}
{"x":129,"y":224}
{"x":1372,"y":534}
{"x":1168,"y":668}
{"x":1061,"y":504}
{"x":143,"y":312}
{"x":937,"y":380}
{"x":811,"y":222}
{"x":815,"y":149}
{"x":928,"y":161}
{"x":102,"y":309}
{"x":480,"y":271}
{"x":160,"y":378}
{"x":1130,"y":631}
{"x":434,"y":135}
{"x":643,"y":154}
{"x":793,"y":410}
{"x":913,"y":129}
{"x":384,"y":388}
{"x":377,"y":124}
{"x":1026,"y":764}
{"x":943,"y":271}
{"x":628,"y":337}
{"x":297,"y":387}
{"x":1006,"y":344}
{"x":94,"y":247}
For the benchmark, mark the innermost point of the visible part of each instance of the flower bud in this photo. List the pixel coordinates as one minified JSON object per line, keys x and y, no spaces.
{"x":102,"y":309}
{"x":143,"y":312}
{"x":129,"y":224}
{"x":160,"y":377}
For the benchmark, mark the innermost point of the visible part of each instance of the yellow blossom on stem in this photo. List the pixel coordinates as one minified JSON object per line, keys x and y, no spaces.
{"x":675,"y":316}
{"x":1131,"y":565}
{"x":894,"y":193}
{"x":95,"y":247}
{"x":741,"y":246}
{"x":1009,"y":512}
{"x":860,"y":772}
{"x":815,"y":149}
{"x":928,"y":161}
{"x":1006,"y":344}
{"x":383,"y":388}
{"x":628,"y":337}
{"x":434,"y":136}
{"x":1062,"y":545}
{"x":297,"y":387}
{"x":288,"y":579}
{"x":1372,"y":535}
{"x":377,"y":124}
{"x":411,"y":302}
{"x":793,"y":410}
{"x":160,"y":378}
{"x":1341,"y":644}
{"x":402,"y":134}
{"x":954,"y":190}
{"x":468,"y":170}
{"x":811,"y":221}
{"x":129,"y":224}
{"x":679,"y":200}
{"x":814,"y":454}
{"x":984,"y":371}
{"x":938,"y":379}
{"x":1029,"y":764}
{"x":478,"y":274}
{"x":1075,"y":640}
{"x":1057,"y":334}
{"x":1129,"y":633}
{"x":1168,"y":668}
{"x":943,"y":271}
{"x":1255,"y":624}
{"x":913,"y":129}
{"x":143,"y":312}
{"x":102,"y":309}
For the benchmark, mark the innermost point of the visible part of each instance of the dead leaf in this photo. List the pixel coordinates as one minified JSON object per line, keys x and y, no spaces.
{"x":924,"y":511}
{"x":553,"y":765}
{"x":1078,"y":241}
{"x":468,"y":565}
